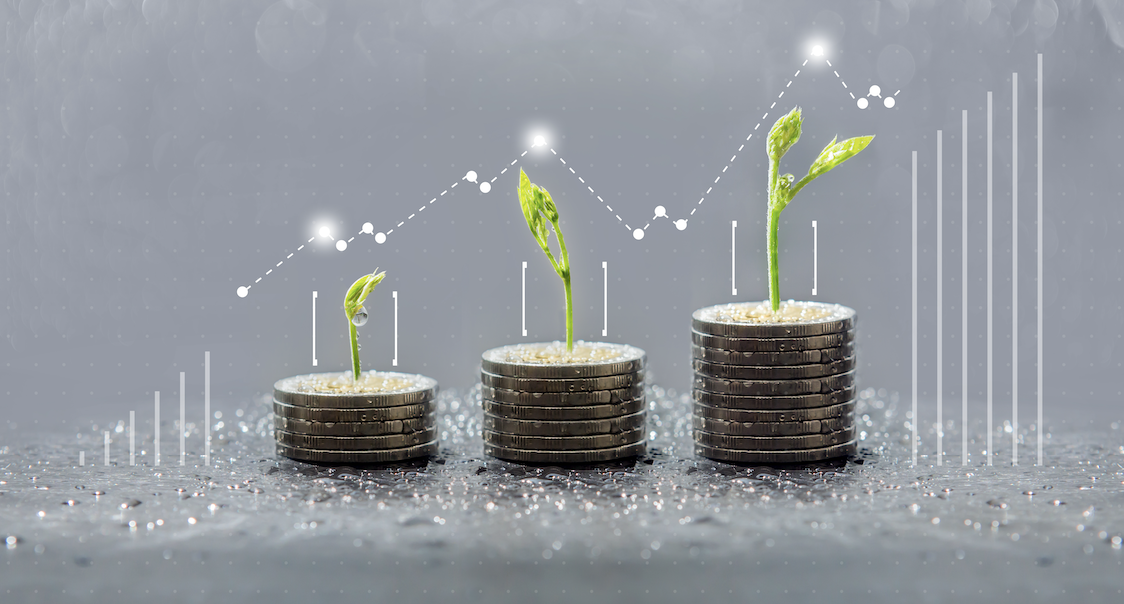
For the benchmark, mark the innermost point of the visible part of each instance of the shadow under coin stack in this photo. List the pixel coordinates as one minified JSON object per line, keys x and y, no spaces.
{"x":774,"y":389}
{"x":543,"y":404}
{"x":330,"y":418}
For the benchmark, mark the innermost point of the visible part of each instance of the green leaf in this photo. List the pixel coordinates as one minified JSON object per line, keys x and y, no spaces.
{"x":784,"y":134}
{"x":359,"y":291}
{"x":836,"y":153}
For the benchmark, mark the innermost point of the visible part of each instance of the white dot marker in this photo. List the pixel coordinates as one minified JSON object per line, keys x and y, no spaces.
{"x":485,"y":187}
{"x":470,"y":176}
{"x":341,"y":245}
{"x":539,"y":141}
{"x":681,"y":224}
{"x":817,"y":51}
{"x":380,"y":237}
{"x":242,"y":291}
{"x":325,"y":231}
{"x":661,"y":211}
{"x":862,"y":103}
{"x":638,"y":234}
{"x":368,"y":228}
{"x":889,"y":102}
{"x":875,"y":91}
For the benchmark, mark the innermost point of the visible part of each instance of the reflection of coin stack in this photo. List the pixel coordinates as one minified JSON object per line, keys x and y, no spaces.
{"x":330,"y":418}
{"x":774,"y":388}
{"x":544,"y":404}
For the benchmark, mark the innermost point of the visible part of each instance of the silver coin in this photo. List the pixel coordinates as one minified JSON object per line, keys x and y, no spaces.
{"x":356,"y":443}
{"x":377,"y":414}
{"x":772,"y":344}
{"x":770,"y":457}
{"x":567,"y":399}
{"x":525,"y":427}
{"x":404,"y":389}
{"x":795,"y":372}
{"x":823,"y":385}
{"x":357,"y":457}
{"x":815,"y":426}
{"x":564,"y":443}
{"x":613,"y":382}
{"x":738,"y":320}
{"x":551,"y":360}
{"x":773,"y":359}
{"x":778,"y":415}
{"x":774,"y":443}
{"x":773,"y":402}
{"x":312,"y":428}
{"x":560,"y":457}
{"x":581,"y":413}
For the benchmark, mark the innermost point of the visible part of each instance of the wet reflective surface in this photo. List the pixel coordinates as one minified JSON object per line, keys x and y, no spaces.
{"x":463,"y":526}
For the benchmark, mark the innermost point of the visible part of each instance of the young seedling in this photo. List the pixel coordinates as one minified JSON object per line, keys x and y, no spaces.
{"x":538,"y":208}
{"x":356,"y":314}
{"x":782,"y":136}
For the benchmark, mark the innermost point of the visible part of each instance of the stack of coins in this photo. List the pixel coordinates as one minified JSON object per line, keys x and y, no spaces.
{"x":332,"y":418}
{"x":544,"y":404}
{"x":774,"y":388}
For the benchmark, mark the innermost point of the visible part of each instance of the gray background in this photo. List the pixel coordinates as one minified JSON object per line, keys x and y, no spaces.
{"x":157,"y":155}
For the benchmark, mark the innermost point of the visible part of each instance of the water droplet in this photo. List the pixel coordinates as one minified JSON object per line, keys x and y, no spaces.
{"x":360,"y":317}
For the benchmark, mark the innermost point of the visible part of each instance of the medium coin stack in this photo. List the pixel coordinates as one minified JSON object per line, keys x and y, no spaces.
{"x":545,"y":404}
{"x":331,"y":418}
{"x":773,"y":388}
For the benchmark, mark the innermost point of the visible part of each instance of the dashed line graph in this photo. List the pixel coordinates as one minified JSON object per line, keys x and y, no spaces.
{"x":485,"y":186}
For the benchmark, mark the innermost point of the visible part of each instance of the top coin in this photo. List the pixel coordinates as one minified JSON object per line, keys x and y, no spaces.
{"x":757,"y":320}
{"x":340,"y":391}
{"x":552,"y":360}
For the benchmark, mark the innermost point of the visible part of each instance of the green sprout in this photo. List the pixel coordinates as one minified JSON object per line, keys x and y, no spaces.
{"x":356,"y":314}
{"x":538,"y":208}
{"x":782,"y":137}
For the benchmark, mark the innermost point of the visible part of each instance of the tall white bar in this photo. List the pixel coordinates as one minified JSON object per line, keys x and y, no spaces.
{"x":183,"y":421}
{"x":940,"y":298}
{"x":1015,"y":269}
{"x":156,"y":430}
{"x":914,"y":419}
{"x":1039,"y":326}
{"x":990,"y":350}
{"x":207,"y":404}
{"x":964,"y":288}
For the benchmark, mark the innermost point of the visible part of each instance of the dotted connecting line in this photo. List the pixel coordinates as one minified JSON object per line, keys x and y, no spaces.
{"x":841,"y":79}
{"x":682,"y":222}
{"x":592,"y":192}
{"x":380,"y":237}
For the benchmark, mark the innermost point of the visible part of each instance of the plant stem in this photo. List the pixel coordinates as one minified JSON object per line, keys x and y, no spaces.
{"x":354,"y":350}
{"x":565,"y":273}
{"x":774,"y":260}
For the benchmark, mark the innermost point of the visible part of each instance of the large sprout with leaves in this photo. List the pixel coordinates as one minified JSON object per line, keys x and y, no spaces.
{"x":782,"y":188}
{"x":356,"y":314}
{"x":538,"y":209}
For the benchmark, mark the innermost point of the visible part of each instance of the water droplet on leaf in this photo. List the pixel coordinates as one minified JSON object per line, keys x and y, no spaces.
{"x":360,"y":317}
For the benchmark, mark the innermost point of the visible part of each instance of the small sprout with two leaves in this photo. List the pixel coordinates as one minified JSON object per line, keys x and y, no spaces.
{"x":538,"y":209}
{"x":783,"y":188}
{"x":356,"y":314}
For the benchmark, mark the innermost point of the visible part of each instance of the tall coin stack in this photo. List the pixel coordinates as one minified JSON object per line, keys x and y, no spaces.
{"x":544,"y":404}
{"x":331,"y":418}
{"x":774,"y":388}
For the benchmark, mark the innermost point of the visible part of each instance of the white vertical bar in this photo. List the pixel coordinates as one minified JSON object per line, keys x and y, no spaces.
{"x":313,"y":328}
{"x":132,"y":438}
{"x":990,"y":334}
{"x":394,"y":361}
{"x":913,"y":421}
{"x":1039,"y":327}
{"x":605,"y":318}
{"x":81,"y":458}
{"x":524,"y":298}
{"x":940,"y":299}
{"x":106,"y":434}
{"x":156,"y":430}
{"x":733,"y":257}
{"x":207,"y":405}
{"x":183,"y":420}
{"x":815,"y":257}
{"x":1014,"y":269}
{"x":964,"y":288}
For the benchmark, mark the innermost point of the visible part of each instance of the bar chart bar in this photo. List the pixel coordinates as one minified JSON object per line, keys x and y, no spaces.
{"x":106,"y":439}
{"x":524,"y":299}
{"x":815,"y":257}
{"x":914,"y":419}
{"x":314,"y":328}
{"x":156,"y":430}
{"x":940,"y":299}
{"x":605,"y":316}
{"x":990,"y":334}
{"x":1014,"y":269}
{"x":132,"y":438}
{"x":733,"y":258}
{"x":81,"y":458}
{"x":207,"y":405}
{"x":1039,"y":220}
{"x":964,"y":287}
{"x":394,"y":361}
{"x":183,"y":422}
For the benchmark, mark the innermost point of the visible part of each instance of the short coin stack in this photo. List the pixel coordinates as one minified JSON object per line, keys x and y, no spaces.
{"x":331,"y":418}
{"x":774,"y":388}
{"x":544,"y":404}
